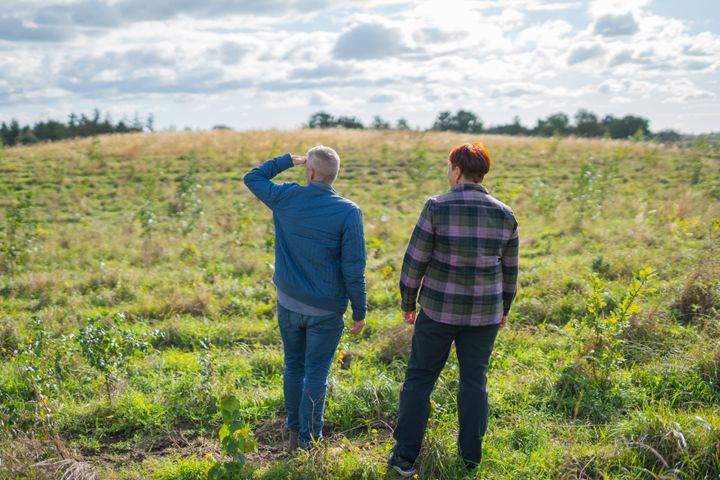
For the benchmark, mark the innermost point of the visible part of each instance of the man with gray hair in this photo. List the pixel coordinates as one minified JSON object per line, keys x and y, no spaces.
{"x":319,"y":266}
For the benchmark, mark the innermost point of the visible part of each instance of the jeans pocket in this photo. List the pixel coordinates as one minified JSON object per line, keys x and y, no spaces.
{"x":329,"y":323}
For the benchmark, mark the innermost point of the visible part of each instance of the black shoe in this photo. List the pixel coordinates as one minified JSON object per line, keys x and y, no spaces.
{"x":402,"y":466}
{"x":470,"y":465}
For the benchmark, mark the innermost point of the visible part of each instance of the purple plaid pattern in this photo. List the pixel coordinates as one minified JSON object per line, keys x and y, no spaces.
{"x":462,"y":258}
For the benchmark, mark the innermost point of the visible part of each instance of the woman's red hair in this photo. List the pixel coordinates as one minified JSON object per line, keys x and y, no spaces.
{"x":473,"y":160}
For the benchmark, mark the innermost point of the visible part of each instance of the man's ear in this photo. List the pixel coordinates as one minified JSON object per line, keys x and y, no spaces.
{"x":312,"y":174}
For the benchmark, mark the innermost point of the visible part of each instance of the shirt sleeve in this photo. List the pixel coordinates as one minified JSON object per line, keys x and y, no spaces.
{"x":258,"y":180}
{"x":352,"y":264}
{"x":417,"y":257}
{"x":510,"y":261}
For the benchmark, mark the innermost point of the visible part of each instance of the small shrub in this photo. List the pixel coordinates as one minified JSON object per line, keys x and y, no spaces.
{"x":603,"y":326}
{"x":601,"y":266}
{"x":236,"y":440}
{"x":187,"y":207}
{"x":17,"y":233}
{"x":700,"y":298}
{"x":107,"y":348}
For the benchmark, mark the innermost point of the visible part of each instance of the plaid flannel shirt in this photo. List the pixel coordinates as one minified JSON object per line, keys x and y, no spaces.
{"x":464,"y":252}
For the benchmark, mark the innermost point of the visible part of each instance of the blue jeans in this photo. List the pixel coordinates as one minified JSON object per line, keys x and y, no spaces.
{"x":309,"y":343}
{"x":430,"y":349}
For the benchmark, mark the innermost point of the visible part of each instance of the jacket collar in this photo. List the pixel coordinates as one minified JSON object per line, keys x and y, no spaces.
{"x":322,"y":185}
{"x":469,"y":186}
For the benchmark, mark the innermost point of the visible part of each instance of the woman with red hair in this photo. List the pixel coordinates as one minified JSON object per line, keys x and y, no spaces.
{"x":462,"y":258}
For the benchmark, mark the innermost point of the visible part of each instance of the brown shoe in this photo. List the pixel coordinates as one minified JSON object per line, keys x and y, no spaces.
{"x":293,"y":444}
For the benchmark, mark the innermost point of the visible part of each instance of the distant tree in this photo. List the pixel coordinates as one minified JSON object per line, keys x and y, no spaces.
{"x":137,"y":124}
{"x":150,"y":123}
{"x":587,"y":124}
{"x":443,"y":121}
{"x":402,"y":124}
{"x":50,"y":130}
{"x":379,"y":124}
{"x":221,"y":127}
{"x":13,"y":133}
{"x":121,"y":127}
{"x":27,"y":137}
{"x":626,"y":126}
{"x":321,"y":120}
{"x":4,"y":133}
{"x":514,"y":128}
{"x":466,"y":121}
{"x":667,"y":136}
{"x":349,"y":122}
{"x":554,"y":124}
{"x":463,"y":121}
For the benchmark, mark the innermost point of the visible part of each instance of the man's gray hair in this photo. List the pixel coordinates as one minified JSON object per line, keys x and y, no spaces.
{"x":325,"y":161}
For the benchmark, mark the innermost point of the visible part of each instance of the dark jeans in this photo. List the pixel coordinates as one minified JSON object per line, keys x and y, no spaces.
{"x":309,"y":344}
{"x":430,"y":349}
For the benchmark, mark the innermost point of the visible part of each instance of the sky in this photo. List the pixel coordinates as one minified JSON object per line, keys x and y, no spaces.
{"x":258,"y":64}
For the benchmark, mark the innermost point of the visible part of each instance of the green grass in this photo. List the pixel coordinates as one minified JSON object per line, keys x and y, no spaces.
{"x":585,"y":207}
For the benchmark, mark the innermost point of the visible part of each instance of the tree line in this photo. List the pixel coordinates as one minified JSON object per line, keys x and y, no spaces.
{"x":583,"y":124}
{"x":82,"y":125}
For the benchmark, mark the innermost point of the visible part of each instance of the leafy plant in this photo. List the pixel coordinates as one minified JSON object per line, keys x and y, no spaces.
{"x":236,"y":440}
{"x":187,"y":207}
{"x":421,"y":166}
{"x":588,"y":191}
{"x":147,"y":219}
{"x":18,"y":233}
{"x":107,"y":348}
{"x":41,"y":360}
{"x":603,"y":326}
{"x":545,"y":199}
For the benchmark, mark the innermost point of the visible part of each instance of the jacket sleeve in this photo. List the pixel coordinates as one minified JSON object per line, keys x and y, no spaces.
{"x":510,"y":262}
{"x":258,"y":180}
{"x":417,"y":257}
{"x":352,"y":263}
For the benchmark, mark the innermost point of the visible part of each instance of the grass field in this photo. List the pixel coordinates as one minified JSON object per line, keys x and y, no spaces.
{"x":136,"y":292}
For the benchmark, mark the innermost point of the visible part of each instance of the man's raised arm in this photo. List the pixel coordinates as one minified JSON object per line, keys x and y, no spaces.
{"x":258,"y":180}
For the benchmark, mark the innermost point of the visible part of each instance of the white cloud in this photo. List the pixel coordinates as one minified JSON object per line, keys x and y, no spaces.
{"x":616,"y":25}
{"x":410,"y":59}
{"x":584,"y":53}
{"x":369,"y":40}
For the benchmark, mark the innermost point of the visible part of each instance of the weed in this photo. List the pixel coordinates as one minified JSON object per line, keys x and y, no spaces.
{"x":18,"y":233}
